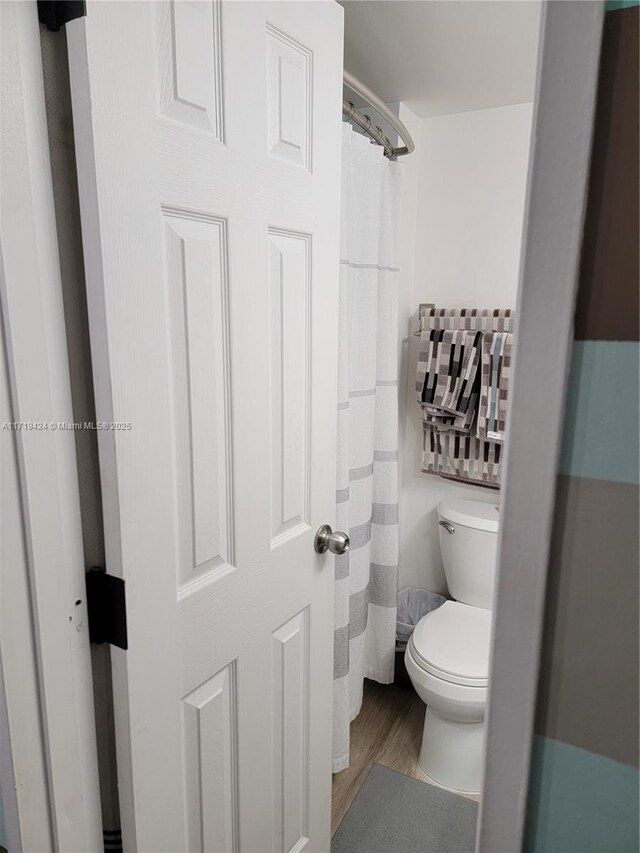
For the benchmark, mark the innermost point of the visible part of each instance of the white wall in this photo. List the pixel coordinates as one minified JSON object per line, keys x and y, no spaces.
{"x":462,"y":226}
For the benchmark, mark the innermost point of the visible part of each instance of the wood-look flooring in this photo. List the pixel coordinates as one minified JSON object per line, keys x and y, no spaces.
{"x":388,"y":730}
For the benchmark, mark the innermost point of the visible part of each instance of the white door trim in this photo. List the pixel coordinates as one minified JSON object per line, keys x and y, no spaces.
{"x":47,"y":487}
{"x":561,"y":144}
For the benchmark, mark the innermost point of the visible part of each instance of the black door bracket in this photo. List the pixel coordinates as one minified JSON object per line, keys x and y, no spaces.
{"x":56,"y":13}
{"x":107,"y":608}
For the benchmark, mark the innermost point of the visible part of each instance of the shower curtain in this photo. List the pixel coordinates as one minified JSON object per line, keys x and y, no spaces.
{"x":367,"y":490}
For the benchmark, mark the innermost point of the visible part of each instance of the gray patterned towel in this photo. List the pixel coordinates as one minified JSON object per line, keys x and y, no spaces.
{"x":460,"y":457}
{"x":449,"y":385}
{"x":496,"y":372}
{"x":448,"y":378}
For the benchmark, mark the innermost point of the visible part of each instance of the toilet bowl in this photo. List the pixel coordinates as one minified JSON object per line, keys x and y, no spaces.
{"x":447,"y":657}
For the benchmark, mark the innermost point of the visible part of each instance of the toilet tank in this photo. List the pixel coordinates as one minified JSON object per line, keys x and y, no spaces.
{"x":469,"y":548}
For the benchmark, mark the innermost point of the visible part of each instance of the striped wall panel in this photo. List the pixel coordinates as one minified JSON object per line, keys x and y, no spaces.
{"x":584,"y":783}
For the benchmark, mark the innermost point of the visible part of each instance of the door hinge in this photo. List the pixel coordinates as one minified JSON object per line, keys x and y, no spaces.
{"x":106,"y":608}
{"x":56,"y":13}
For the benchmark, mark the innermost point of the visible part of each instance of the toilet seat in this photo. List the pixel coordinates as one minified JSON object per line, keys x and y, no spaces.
{"x":453,"y":643}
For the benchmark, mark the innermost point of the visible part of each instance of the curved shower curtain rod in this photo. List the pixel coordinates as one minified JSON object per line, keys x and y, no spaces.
{"x":363,"y":121}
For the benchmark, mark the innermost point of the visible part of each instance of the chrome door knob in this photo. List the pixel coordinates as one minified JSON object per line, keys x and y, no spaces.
{"x":327,"y":540}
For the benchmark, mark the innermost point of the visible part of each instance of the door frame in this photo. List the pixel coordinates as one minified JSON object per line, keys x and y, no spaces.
{"x":568,"y":61}
{"x":45,"y":642}
{"x":563,"y":119}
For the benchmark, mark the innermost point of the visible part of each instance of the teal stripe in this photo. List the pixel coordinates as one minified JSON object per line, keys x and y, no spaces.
{"x":613,"y":5}
{"x":580,"y":802}
{"x":601,"y":420}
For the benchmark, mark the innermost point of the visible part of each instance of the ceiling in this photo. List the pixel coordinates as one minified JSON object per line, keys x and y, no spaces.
{"x":444,"y":56}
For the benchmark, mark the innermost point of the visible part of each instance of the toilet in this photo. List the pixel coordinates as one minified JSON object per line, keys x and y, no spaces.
{"x":447,"y":657}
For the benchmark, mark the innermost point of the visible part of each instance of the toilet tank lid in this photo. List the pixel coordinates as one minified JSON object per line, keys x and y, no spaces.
{"x":475,"y":514}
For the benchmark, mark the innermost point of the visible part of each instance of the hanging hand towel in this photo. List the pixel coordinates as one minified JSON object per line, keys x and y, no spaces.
{"x":496,"y":372}
{"x":461,"y":457}
{"x":448,"y":378}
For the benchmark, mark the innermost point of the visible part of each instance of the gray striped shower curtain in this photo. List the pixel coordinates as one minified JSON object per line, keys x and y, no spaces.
{"x":367,"y":490}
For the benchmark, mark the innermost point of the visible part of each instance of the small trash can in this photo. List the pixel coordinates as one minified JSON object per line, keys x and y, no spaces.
{"x":413,"y":604}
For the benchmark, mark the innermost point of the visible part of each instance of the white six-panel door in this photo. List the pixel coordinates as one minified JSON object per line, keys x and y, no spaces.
{"x":208,"y":144}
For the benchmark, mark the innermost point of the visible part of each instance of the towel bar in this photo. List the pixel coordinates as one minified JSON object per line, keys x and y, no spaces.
{"x":422,"y":305}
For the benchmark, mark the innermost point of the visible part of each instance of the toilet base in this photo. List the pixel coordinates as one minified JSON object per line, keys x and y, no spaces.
{"x":452,"y":753}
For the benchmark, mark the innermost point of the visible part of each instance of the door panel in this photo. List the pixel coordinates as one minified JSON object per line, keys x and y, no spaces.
{"x":290,"y":734}
{"x":211,"y":763}
{"x":197,"y":295}
{"x":189,"y":64}
{"x":290,"y":380}
{"x":289,"y":99}
{"x":209,"y":166}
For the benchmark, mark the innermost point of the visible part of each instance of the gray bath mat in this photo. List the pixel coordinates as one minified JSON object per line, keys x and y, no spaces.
{"x":393,"y":813}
